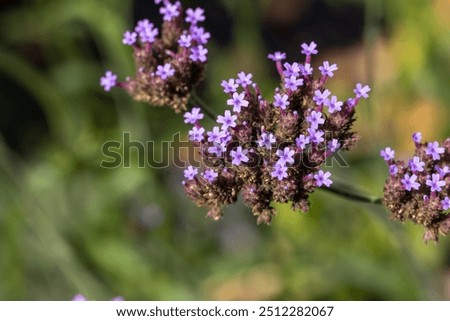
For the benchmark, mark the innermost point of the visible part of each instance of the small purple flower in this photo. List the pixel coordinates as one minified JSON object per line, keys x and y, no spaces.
{"x":217,"y":149}
{"x":323,"y":179}
{"x":185,"y":41}
{"x":148,"y":34}
{"x":239,"y":156}
{"x":237,"y":102}
{"x":416,"y":165}
{"x":306,"y":70}
{"x":129,"y":38}
{"x":277,"y":56}
{"x":196,"y":134}
{"x":210,"y":175}
{"x":334,"y":145}
{"x":388,"y":154}
{"x":326,"y":70}
{"x":79,"y":297}
{"x":361,"y":91}
{"x":310,"y":49}
{"x":333,"y":104}
{"x":315,"y":137}
{"x":195,"y":16}
{"x":190,"y":173}
{"x":229,"y":86}
{"x":446,"y":203}
{"x":291,"y":69}
{"x":285,"y":156}
{"x":169,"y":11}
{"x":435,"y":183}
{"x":321,"y":97}
{"x":165,"y":71}
{"x":293,"y":83}
{"x":443,"y":171}
{"x":199,"y":53}
{"x":315,"y":119}
{"x":266,"y":140}
{"x":279,"y":171}
{"x":227,"y":120}
{"x":281,"y":101}
{"x":301,"y":141}
{"x":409,"y":182}
{"x":200,"y":35}
{"x":393,"y":170}
{"x":216,"y":135}
{"x":194,"y":116}
{"x":434,"y":150}
{"x":108,"y":81}
{"x":244,"y":79}
{"x":142,"y":25}
{"x":417,"y":137}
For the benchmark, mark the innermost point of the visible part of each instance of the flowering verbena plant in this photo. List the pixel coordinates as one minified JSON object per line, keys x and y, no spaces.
{"x":170,"y":62}
{"x":419,"y":189}
{"x":271,"y":150}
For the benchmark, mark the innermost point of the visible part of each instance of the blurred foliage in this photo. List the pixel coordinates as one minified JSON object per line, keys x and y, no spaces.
{"x":68,"y":226}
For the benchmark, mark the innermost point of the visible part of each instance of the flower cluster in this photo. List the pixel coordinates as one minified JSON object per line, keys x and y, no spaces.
{"x":170,"y":62}
{"x":419,"y":189}
{"x":271,"y":150}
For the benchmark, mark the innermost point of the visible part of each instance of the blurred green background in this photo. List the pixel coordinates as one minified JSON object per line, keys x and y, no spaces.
{"x":68,"y":226}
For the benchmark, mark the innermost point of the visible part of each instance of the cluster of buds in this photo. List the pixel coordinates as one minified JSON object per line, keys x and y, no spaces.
{"x":169,"y":63}
{"x":271,"y":150}
{"x":419,"y":190}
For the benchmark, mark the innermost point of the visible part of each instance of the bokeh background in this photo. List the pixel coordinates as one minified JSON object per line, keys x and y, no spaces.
{"x":68,"y":226}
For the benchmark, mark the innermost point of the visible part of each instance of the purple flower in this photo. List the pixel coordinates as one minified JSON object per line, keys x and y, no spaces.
{"x":361,"y":91}
{"x":237,"y":102}
{"x":229,"y":86}
{"x":393,"y":170}
{"x":169,"y":11}
{"x":417,"y":137}
{"x":194,"y":116}
{"x":285,"y":156}
{"x":301,"y":141}
{"x":79,"y":297}
{"x":216,"y":135}
{"x":196,"y":134}
{"x":199,"y":53}
{"x":292,"y":82}
{"x":199,"y":35}
{"x":327,"y":70}
{"x":281,"y":101}
{"x":315,"y":137}
{"x":443,"y":171}
{"x":108,"y":81}
{"x":416,"y":165}
{"x":210,"y":175}
{"x":445,"y":203}
{"x":306,"y":70}
{"x":334,"y":145}
{"x":435,"y":183}
{"x":195,"y":16}
{"x":217,"y":148}
{"x":310,"y":49}
{"x":227,"y":120}
{"x":333,"y":104}
{"x":279,"y":171}
{"x":388,"y":154}
{"x":165,"y":71}
{"x":323,"y":179}
{"x":129,"y":38}
{"x":190,"y":173}
{"x":277,"y":56}
{"x":244,"y":79}
{"x":409,"y":182}
{"x":291,"y":70}
{"x":315,"y":119}
{"x":185,"y":41}
{"x":148,"y":34}
{"x":434,"y":150}
{"x":321,"y":97}
{"x":142,"y":25}
{"x":239,"y":156}
{"x":266,"y":140}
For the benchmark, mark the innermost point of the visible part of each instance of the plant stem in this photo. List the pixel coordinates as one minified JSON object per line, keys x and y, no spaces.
{"x":353,"y":196}
{"x":203,"y":106}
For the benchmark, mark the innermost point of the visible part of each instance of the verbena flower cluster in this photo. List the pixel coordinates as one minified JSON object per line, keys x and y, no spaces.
{"x":271,"y":150}
{"x":419,"y":189}
{"x":170,"y":62}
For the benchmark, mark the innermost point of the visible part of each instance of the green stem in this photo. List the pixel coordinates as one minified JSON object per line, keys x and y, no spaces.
{"x":353,"y":196}
{"x":211,"y":114}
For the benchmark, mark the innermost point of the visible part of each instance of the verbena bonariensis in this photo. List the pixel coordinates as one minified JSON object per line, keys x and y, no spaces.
{"x":169,"y":63}
{"x":271,"y":150}
{"x":419,"y":189}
